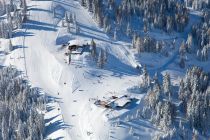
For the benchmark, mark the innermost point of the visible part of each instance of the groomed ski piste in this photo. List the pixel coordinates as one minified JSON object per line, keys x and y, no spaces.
{"x":72,"y":89}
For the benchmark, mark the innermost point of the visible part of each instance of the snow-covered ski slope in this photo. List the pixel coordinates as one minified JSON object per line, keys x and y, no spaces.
{"x":74,"y":116}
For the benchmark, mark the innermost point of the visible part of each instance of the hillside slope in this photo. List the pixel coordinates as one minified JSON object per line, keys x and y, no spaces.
{"x":74,"y":89}
{"x":72,"y":85}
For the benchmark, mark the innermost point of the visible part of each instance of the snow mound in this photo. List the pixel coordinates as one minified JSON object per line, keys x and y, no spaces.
{"x":4,"y":45}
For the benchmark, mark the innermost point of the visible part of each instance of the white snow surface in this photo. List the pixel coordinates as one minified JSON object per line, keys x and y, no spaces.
{"x":72,"y":89}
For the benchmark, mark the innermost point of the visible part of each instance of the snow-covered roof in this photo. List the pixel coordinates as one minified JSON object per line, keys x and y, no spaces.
{"x":78,"y":42}
{"x":122,"y":101}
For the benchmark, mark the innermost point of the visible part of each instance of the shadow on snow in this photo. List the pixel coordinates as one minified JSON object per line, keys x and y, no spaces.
{"x":22,"y":33}
{"x":119,"y":68}
{"x":37,"y":25}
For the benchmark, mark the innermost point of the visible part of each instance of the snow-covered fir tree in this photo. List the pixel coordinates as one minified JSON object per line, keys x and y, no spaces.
{"x":102,"y":58}
{"x":68,"y":27}
{"x":145,"y":78}
{"x":11,"y":48}
{"x":15,"y":17}
{"x":194,"y":101}
{"x":119,"y":14}
{"x":167,"y":85}
{"x":93,"y":49}
{"x":21,"y":108}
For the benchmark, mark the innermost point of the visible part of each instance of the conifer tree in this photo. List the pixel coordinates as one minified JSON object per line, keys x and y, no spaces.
{"x":93,"y":48}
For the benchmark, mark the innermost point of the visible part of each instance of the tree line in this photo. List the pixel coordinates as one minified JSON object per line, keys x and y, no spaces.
{"x":168,"y":15}
{"x":182,"y":113}
{"x":15,"y":16}
{"x":22,"y":108}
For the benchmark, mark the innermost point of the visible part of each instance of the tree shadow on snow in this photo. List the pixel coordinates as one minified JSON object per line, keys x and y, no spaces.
{"x":49,"y":108}
{"x":34,"y":22}
{"x":38,"y":9}
{"x":115,"y":66}
{"x":50,"y":119}
{"x":136,"y":90}
{"x":37,"y":25}
{"x":91,"y":36}
{"x":90,"y":28}
{"x":51,"y":99}
{"x":55,"y":126}
{"x":22,"y":33}
{"x":119,"y":68}
{"x":19,"y":47}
